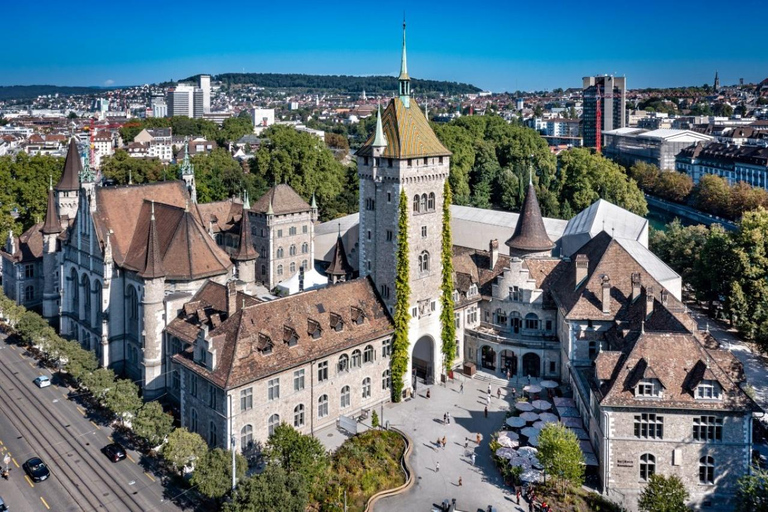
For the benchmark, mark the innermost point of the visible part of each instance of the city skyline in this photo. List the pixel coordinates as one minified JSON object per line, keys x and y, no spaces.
{"x":495,"y":46}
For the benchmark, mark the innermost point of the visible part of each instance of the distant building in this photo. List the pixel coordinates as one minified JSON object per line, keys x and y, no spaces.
{"x":658,"y":147}
{"x":180,"y":101}
{"x":263,"y":118}
{"x":734,"y":163}
{"x":205,"y":87}
{"x":612,"y":92}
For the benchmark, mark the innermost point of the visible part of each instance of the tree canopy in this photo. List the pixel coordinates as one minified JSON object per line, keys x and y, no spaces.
{"x":752,"y":492}
{"x":298,"y":453}
{"x":561,"y":456}
{"x":184,"y":448}
{"x":274,"y":489}
{"x":213,"y":473}
{"x":663,"y":494}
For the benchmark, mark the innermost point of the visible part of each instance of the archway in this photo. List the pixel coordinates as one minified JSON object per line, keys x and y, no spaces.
{"x":508,"y":362}
{"x":423,"y":360}
{"x":531,"y":365}
{"x":488,"y":359}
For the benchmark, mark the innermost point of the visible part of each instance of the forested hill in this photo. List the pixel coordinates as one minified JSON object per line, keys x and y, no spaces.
{"x":23,"y":92}
{"x":340,"y":83}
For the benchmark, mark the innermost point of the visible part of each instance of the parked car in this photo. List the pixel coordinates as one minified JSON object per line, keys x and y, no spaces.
{"x":43,"y":381}
{"x":115,"y":452}
{"x":36,"y":469}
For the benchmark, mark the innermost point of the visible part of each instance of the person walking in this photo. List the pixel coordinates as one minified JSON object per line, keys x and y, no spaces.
{"x":518,"y":496}
{"x":461,"y":388}
{"x":459,"y":481}
{"x":473,"y":458}
{"x":498,"y":393}
{"x":444,"y":442}
{"x":489,"y":388}
{"x":428,"y":394}
{"x":466,"y":444}
{"x":448,"y":415}
{"x":488,"y":400}
{"x":445,"y":418}
{"x":479,"y":438}
{"x":514,"y":393}
{"x":437,"y":467}
{"x":486,"y":411}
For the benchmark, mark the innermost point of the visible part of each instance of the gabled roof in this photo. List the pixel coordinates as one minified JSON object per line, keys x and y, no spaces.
{"x":407,"y":133}
{"x":600,"y":216}
{"x":339,"y":264}
{"x":73,"y":166}
{"x":282,"y":199}
{"x":530,"y":234}
{"x":29,"y":246}
{"x":222,"y":216}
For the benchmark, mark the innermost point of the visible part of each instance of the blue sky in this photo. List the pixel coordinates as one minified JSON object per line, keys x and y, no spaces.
{"x":498,"y":46}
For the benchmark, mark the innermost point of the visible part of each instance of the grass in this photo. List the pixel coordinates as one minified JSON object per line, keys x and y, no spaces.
{"x":577,"y":500}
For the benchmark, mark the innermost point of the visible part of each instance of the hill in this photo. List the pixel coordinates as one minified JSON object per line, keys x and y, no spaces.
{"x":23,"y":92}
{"x":339,"y":83}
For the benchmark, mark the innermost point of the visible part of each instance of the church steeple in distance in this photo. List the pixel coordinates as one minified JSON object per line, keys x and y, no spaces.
{"x":404,"y":79}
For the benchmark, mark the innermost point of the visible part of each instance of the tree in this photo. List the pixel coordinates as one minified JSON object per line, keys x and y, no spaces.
{"x":645,"y":175}
{"x":152,"y":423}
{"x":213,"y":473}
{"x":298,"y":453}
{"x":673,"y":186}
{"x":400,"y":343}
{"x":123,"y":399}
{"x":752,"y":492}
{"x":745,"y":198}
{"x":561,"y":456}
{"x":274,"y":489}
{"x":123,"y":168}
{"x":233,"y":129}
{"x":447,"y":321}
{"x":680,"y":247}
{"x":184,"y":448}
{"x":663,"y":494}
{"x":99,"y":382}
{"x":79,"y":362}
{"x":712,"y":194}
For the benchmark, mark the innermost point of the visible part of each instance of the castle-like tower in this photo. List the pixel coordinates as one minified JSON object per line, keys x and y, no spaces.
{"x":405,"y":155}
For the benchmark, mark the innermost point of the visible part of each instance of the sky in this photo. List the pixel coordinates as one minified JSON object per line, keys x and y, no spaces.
{"x":495,"y":45}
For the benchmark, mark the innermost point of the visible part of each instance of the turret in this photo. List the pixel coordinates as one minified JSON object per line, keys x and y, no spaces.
{"x":404,"y":80}
{"x":188,"y":174}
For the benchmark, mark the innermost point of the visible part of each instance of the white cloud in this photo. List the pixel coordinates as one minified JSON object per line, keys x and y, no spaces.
{"x":109,"y":82}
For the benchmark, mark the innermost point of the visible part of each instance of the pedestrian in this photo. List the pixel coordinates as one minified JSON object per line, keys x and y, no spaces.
{"x":444,"y":442}
{"x":488,"y":400}
{"x":466,"y":443}
{"x":514,"y":393}
{"x":437,"y":467}
{"x":498,"y":392}
{"x":509,"y":375}
{"x":459,"y":481}
{"x":479,"y":438}
{"x":486,"y":411}
{"x":439,"y":442}
{"x":449,"y":417}
{"x":445,"y":419}
{"x":473,"y":458}
{"x":489,"y":388}
{"x":428,"y":395}
{"x":518,"y":496}
{"x":461,"y":388}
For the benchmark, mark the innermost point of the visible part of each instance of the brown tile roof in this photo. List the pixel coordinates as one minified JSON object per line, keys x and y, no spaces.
{"x":186,"y":249}
{"x":408,"y":133}
{"x":339,"y":264}
{"x":241,"y":339}
{"x":52,"y":223}
{"x":29,"y":246}
{"x":530,"y":233}
{"x":70,"y":178}
{"x":222,"y":215}
{"x":473,"y":266}
{"x":153,"y":262}
{"x":246,"y":251}
{"x":284,"y":200}
{"x":605,"y":364}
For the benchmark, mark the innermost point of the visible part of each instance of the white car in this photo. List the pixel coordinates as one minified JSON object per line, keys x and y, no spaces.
{"x":43,"y":381}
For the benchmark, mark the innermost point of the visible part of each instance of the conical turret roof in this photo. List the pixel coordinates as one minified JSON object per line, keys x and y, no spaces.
{"x":246,"y":251}
{"x":530,"y":234}
{"x":52,"y":223}
{"x":339,"y":264}
{"x":153,"y":263}
{"x":70,"y":178}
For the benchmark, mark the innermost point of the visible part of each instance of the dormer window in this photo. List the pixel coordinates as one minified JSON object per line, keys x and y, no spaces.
{"x":337,"y":324}
{"x":708,"y":390}
{"x":265,"y":344}
{"x":357,"y":316}
{"x":648,"y":388}
{"x":472,"y":290}
{"x":313,"y":329}
{"x":290,"y":336}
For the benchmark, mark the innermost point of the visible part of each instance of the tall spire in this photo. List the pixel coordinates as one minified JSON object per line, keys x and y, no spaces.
{"x":73,"y":167}
{"x":86,"y":174}
{"x":379,"y":140}
{"x":186,"y":167}
{"x":246,"y":200}
{"x":246,"y":251}
{"x":404,"y":79}
{"x":530,"y":236}
{"x":52,"y":223}
{"x":153,"y":263}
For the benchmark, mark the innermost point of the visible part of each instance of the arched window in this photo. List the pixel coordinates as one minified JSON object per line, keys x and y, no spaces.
{"x":29,"y":293}
{"x":356,"y":359}
{"x":367,"y":387}
{"x":423,"y":204}
{"x":343,"y":365}
{"x":193,"y":420}
{"x":279,"y":270}
{"x":273,"y":422}
{"x":501,"y":317}
{"x":304,"y":248}
{"x":99,"y":299}
{"x":386,"y":379}
{"x":246,"y":437}
{"x":368,"y":354}
{"x":132,"y":306}
{"x":213,"y":434}
{"x":298,"y":416}
{"x":292,"y":267}
{"x":424,"y":262}
{"x":515,"y":321}
{"x":416,"y":203}
{"x":346,"y":398}
{"x":292,"y":250}
{"x":75,"y":287}
{"x":86,"y":299}
{"x":304,"y":264}
{"x":280,"y":252}
{"x":707,"y":470}
{"x":647,"y":466}
{"x":431,"y":202}
{"x":322,"y":406}
{"x":532,"y":322}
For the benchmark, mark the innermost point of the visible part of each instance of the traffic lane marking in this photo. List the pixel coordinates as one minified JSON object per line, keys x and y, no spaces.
{"x":81,"y":411}
{"x":150,"y":476}
{"x":26,"y":477}
{"x":130,"y":458}
{"x":95,"y":425}
{"x":14,"y":461}
{"x":45,"y":503}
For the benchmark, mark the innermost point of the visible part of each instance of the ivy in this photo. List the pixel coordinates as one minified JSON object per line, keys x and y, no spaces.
{"x":400,"y":341}
{"x":446,"y":299}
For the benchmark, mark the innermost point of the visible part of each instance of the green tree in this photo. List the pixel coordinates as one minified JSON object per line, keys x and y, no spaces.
{"x":99,"y":382}
{"x":712,"y":194}
{"x":752,"y":492}
{"x":680,"y":247}
{"x":561,"y":456}
{"x":123,"y":168}
{"x":213,"y":473}
{"x":745,"y":198}
{"x":663,"y":494}
{"x":402,"y":316}
{"x":298,"y":453}
{"x":645,"y":175}
{"x":233,"y":129}
{"x":183,"y":449}
{"x":274,"y":489}
{"x":123,"y":399}
{"x":152,"y":423}
{"x":673,"y":186}
{"x":78,"y":361}
{"x":446,"y":298}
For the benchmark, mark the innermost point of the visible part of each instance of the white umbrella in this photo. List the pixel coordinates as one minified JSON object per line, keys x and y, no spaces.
{"x":550,"y":384}
{"x":531,"y":476}
{"x":530,"y":432}
{"x":509,"y":442}
{"x":532,"y":388}
{"x":505,"y":453}
{"x":509,"y":435}
{"x":530,"y":417}
{"x":541,"y":405}
{"x":516,"y":422}
{"x":525,"y":462}
{"x":527,"y":451}
{"x":523,"y":406}
{"x":547,"y":417}
{"x":533,"y":441}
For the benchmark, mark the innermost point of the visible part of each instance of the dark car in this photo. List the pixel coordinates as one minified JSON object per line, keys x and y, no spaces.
{"x":115,"y":452}
{"x":36,"y":469}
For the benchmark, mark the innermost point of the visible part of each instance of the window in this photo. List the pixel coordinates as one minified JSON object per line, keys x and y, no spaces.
{"x":370,"y":203}
{"x":592,"y":350}
{"x":298,"y":416}
{"x":213,"y":435}
{"x":649,"y":426}
{"x":176,"y":381}
{"x":424,"y":262}
{"x":647,"y":466}
{"x":386,"y":348}
{"x":423,"y":231}
{"x":457,"y":320}
{"x":410,"y":162}
{"x":431,"y":202}
{"x":368,"y":354}
{"x":356,"y":359}
{"x":384,"y":289}
{"x":343,"y":364}
{"x":193,"y":385}
{"x":501,"y":317}
{"x":552,"y":367}
{"x":647,"y":387}
{"x":367,"y":387}
{"x":280,"y":252}
{"x":292,"y":267}
{"x":273,"y":422}
{"x":292,"y":230}
{"x":304,"y":264}
{"x":322,"y":406}
{"x":29,"y":292}
{"x":515,"y":294}
{"x":246,"y":437}
{"x":416,"y":203}
{"x":132,"y":303}
{"x":390,"y":235}
{"x":708,"y":428}
{"x":708,"y":390}
{"x":386,"y":379}
{"x":707,"y":470}
{"x":279,"y":233}
{"x":273,"y":389}
{"x":304,"y":248}
{"x":423,"y":203}
{"x":472,"y":290}
{"x":298,"y":380}
{"x":426,"y":161}
{"x":279,"y":270}
{"x":246,"y":399}
{"x":440,"y":160}
{"x":532,"y":322}
{"x":263,"y":269}
{"x":369,"y":234}
{"x":292,"y":250}
{"x":193,"y":420}
{"x":29,"y":271}
{"x":389,"y":194}
{"x":346,"y":398}
{"x":322,"y":371}
{"x":263,"y":233}
{"x":549,"y":325}
{"x":212,"y":397}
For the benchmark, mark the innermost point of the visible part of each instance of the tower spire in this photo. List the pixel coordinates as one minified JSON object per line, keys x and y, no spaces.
{"x":404,"y":79}
{"x":379,"y":140}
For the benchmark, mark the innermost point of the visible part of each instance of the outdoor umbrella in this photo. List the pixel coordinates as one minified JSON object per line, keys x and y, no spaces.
{"x":523,"y":406}
{"x":532,"y":388}
{"x":530,"y":417}
{"x":568,"y":412}
{"x":531,"y":476}
{"x":541,"y":405}
{"x":527,"y":451}
{"x":549,"y":384}
{"x":509,"y":435}
{"x":539,"y":425}
{"x":508,"y":442}
{"x":518,"y":460}
{"x":533,"y":441}
{"x":547,"y":417}
{"x":564,"y":402}
{"x":516,"y":422}
{"x":505,"y":453}
{"x":530,"y":432}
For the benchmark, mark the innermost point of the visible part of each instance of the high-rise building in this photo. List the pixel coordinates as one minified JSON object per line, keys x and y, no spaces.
{"x":198,"y":102}
{"x":180,"y":101}
{"x":612,"y":93}
{"x":205,"y":87}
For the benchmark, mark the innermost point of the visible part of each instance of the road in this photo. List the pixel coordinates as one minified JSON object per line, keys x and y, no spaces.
{"x":48,"y":424}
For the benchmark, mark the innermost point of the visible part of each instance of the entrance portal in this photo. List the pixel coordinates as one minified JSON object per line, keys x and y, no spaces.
{"x":508,"y":362}
{"x":488,"y":358}
{"x":531,"y":365}
{"x":423,"y":361}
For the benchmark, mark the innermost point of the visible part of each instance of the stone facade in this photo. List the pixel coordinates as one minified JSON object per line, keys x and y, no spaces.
{"x":284,"y":243}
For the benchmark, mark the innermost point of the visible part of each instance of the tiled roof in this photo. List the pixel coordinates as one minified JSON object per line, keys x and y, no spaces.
{"x":70,"y":178}
{"x":339,"y":265}
{"x":52,"y":223}
{"x":221,"y":215}
{"x":240,"y":340}
{"x":475,"y":265}
{"x":530,"y":234}
{"x":284,"y":200}
{"x":29,"y":246}
{"x":407,"y":132}
{"x":246,"y":251}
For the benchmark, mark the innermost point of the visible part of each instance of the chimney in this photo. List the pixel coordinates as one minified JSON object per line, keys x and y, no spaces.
{"x":493,"y":249}
{"x":649,"y":291}
{"x":636,"y":285}
{"x":582,"y":268}
{"x":606,"y":285}
{"x":231,"y":298}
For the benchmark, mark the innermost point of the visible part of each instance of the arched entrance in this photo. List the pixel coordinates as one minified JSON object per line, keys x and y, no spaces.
{"x":531,"y":365}
{"x":488,"y":358}
{"x":423,"y":360}
{"x":508,"y":362}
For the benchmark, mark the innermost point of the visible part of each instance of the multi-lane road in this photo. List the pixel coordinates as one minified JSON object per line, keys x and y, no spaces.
{"x":47,"y":423}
